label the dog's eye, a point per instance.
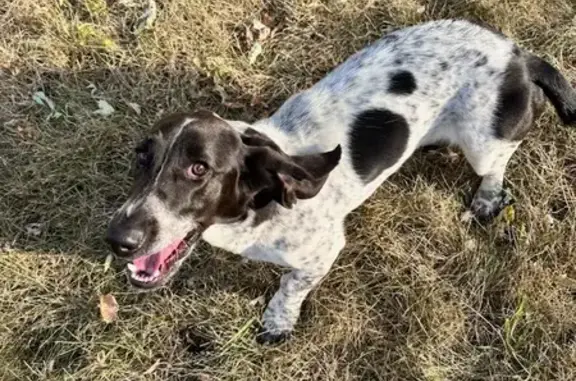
(196, 170)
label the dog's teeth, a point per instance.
(131, 267)
(156, 274)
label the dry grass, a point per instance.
(417, 295)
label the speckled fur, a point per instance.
(458, 68)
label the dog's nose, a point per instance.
(125, 242)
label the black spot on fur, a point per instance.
(390, 37)
(514, 113)
(378, 139)
(444, 66)
(402, 82)
(483, 60)
(398, 62)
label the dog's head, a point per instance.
(195, 170)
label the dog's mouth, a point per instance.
(153, 270)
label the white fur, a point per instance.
(455, 106)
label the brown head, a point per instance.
(195, 170)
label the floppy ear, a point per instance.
(272, 175)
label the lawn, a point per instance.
(416, 295)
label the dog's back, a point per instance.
(449, 81)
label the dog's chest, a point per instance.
(274, 241)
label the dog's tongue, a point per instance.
(152, 262)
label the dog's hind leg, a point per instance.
(490, 147)
(491, 197)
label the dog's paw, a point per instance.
(487, 206)
(270, 333)
(265, 337)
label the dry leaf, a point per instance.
(470, 244)
(148, 17)
(92, 88)
(267, 19)
(40, 98)
(509, 214)
(108, 262)
(467, 216)
(108, 308)
(135, 106)
(254, 53)
(104, 108)
(249, 35)
(34, 229)
(258, 101)
(257, 301)
(6, 247)
(263, 30)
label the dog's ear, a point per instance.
(272, 175)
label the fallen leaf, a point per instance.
(421, 9)
(249, 35)
(34, 229)
(256, 24)
(267, 19)
(470, 244)
(257, 101)
(108, 308)
(451, 155)
(257, 301)
(263, 30)
(467, 216)
(147, 19)
(109, 44)
(104, 108)
(254, 53)
(108, 262)
(92, 88)
(6, 247)
(40, 98)
(135, 106)
(509, 214)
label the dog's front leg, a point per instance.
(284, 309)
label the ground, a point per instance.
(416, 295)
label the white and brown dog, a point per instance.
(279, 190)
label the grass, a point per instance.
(416, 295)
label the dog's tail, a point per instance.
(557, 89)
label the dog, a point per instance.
(278, 190)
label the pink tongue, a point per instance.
(152, 262)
